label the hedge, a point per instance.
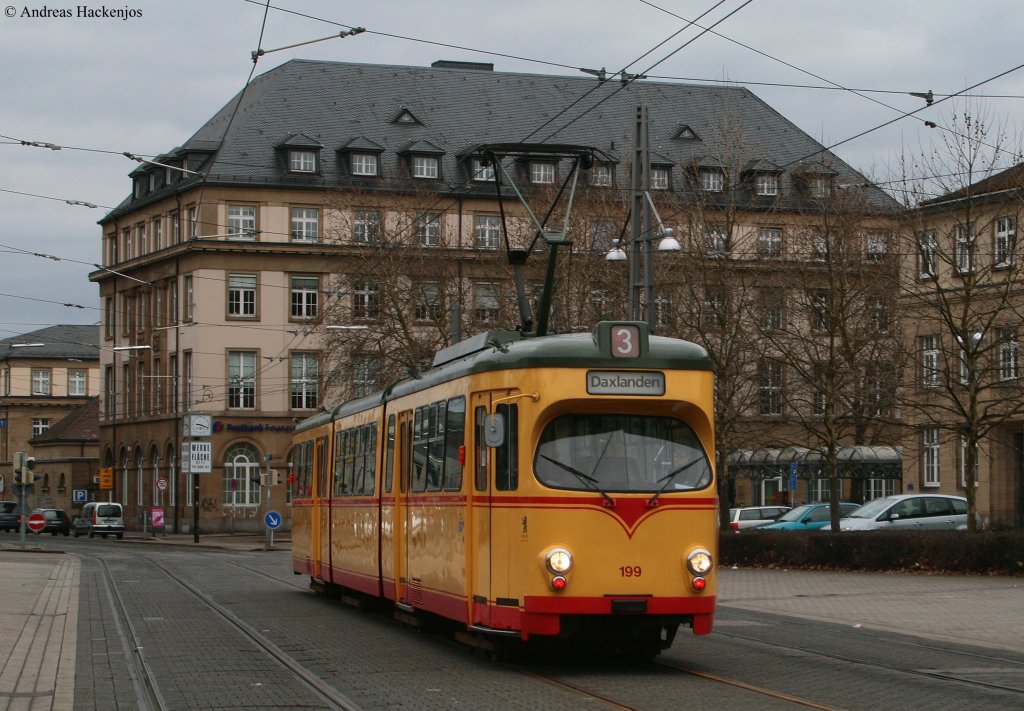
(995, 552)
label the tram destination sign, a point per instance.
(625, 382)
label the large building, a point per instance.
(46, 377)
(333, 225)
(964, 304)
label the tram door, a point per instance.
(321, 511)
(400, 513)
(479, 544)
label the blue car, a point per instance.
(807, 517)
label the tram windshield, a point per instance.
(621, 453)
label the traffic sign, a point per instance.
(272, 519)
(36, 522)
(78, 496)
(161, 484)
(107, 478)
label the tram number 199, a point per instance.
(630, 571)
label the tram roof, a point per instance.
(510, 350)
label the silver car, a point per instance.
(909, 512)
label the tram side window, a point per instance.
(435, 451)
(506, 462)
(480, 450)
(389, 461)
(341, 476)
(454, 453)
(304, 469)
(419, 449)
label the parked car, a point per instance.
(10, 519)
(909, 512)
(99, 517)
(808, 517)
(57, 521)
(751, 516)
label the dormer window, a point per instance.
(542, 172)
(364, 164)
(819, 186)
(427, 167)
(601, 175)
(766, 184)
(712, 180)
(302, 161)
(480, 172)
(661, 178)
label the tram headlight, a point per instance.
(558, 561)
(699, 561)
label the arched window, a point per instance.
(62, 483)
(140, 477)
(154, 459)
(124, 476)
(46, 483)
(241, 463)
(172, 476)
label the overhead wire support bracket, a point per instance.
(256, 54)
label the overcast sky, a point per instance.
(145, 83)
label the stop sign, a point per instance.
(36, 521)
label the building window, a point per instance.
(242, 380)
(879, 313)
(302, 161)
(41, 382)
(485, 302)
(1006, 241)
(877, 247)
(175, 228)
(364, 164)
(188, 311)
(241, 466)
(241, 295)
(771, 309)
(930, 361)
(108, 317)
(717, 241)
(964, 452)
(304, 380)
(366, 227)
(771, 387)
(770, 243)
(158, 233)
(821, 310)
(428, 230)
(78, 383)
(366, 301)
(482, 173)
(1009, 355)
(601, 175)
(305, 294)
(927, 253)
(712, 180)
(425, 167)
(486, 231)
(542, 172)
(110, 390)
(305, 224)
(242, 222)
(820, 247)
(661, 178)
(766, 184)
(40, 425)
(428, 305)
(600, 304)
(877, 488)
(819, 186)
(963, 239)
(365, 375)
(930, 456)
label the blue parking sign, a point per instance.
(78, 496)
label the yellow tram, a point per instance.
(534, 487)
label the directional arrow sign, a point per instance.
(272, 519)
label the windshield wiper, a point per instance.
(653, 501)
(586, 479)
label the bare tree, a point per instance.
(962, 291)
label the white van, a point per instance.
(100, 517)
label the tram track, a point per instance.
(918, 672)
(145, 681)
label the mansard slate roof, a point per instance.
(81, 342)
(343, 105)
